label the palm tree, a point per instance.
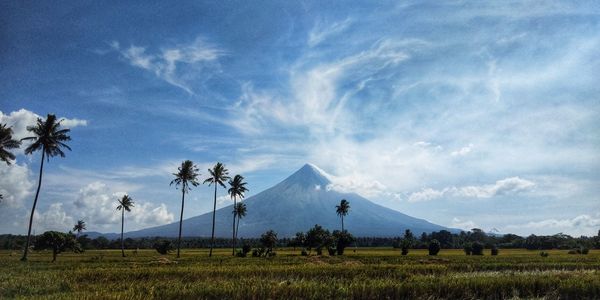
(49, 138)
(125, 204)
(218, 176)
(237, 188)
(79, 227)
(342, 210)
(187, 175)
(7, 142)
(240, 212)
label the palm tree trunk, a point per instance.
(233, 229)
(180, 220)
(122, 226)
(237, 227)
(37, 193)
(342, 223)
(212, 239)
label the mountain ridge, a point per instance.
(296, 204)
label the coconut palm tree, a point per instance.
(50, 139)
(125, 204)
(7, 142)
(237, 188)
(79, 227)
(187, 175)
(218, 176)
(342, 210)
(240, 212)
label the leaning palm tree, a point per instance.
(125, 204)
(240, 212)
(342, 210)
(237, 188)
(79, 227)
(187, 175)
(218, 176)
(48, 137)
(7, 142)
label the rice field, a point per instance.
(364, 273)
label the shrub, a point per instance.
(258, 252)
(404, 250)
(544, 254)
(304, 252)
(467, 248)
(494, 250)
(477, 248)
(573, 251)
(584, 250)
(58, 242)
(163, 247)
(246, 249)
(331, 251)
(240, 254)
(434, 247)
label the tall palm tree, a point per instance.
(237, 188)
(79, 227)
(6, 143)
(187, 175)
(218, 176)
(240, 212)
(125, 204)
(342, 210)
(48, 137)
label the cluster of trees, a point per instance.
(50, 139)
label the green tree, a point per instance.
(125, 204)
(79, 227)
(187, 175)
(342, 239)
(317, 237)
(434, 247)
(58, 242)
(239, 211)
(268, 240)
(237, 188)
(218, 176)
(50, 139)
(6, 143)
(342, 210)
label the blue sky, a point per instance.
(467, 114)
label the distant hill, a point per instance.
(296, 204)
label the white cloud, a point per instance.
(462, 151)
(465, 225)
(579, 225)
(96, 204)
(507, 186)
(322, 31)
(426, 195)
(54, 218)
(15, 185)
(512, 185)
(20, 119)
(167, 63)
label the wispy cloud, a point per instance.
(167, 63)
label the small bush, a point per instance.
(584, 250)
(163, 247)
(246, 249)
(467, 249)
(404, 250)
(544, 254)
(304, 252)
(240, 254)
(477, 248)
(494, 250)
(574, 251)
(434, 247)
(331, 251)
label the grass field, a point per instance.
(367, 273)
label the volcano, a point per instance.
(296, 204)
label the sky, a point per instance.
(465, 113)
